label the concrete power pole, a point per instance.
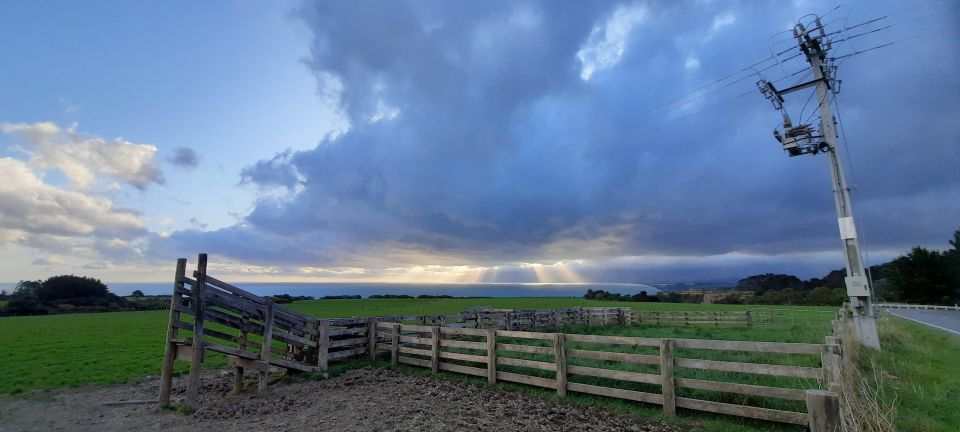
(801, 139)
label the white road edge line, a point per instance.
(925, 323)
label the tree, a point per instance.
(760, 284)
(70, 286)
(922, 276)
(137, 293)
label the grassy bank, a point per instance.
(917, 374)
(46, 352)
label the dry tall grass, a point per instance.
(865, 407)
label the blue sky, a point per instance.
(459, 141)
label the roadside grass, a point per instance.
(49, 352)
(917, 373)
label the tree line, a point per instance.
(920, 276)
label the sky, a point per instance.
(442, 141)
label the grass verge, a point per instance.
(912, 384)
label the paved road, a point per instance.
(943, 320)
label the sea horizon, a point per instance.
(366, 289)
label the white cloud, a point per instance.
(83, 158)
(47, 261)
(39, 215)
(720, 22)
(723, 20)
(606, 43)
(692, 63)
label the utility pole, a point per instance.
(801, 139)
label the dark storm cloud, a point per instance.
(473, 135)
(184, 157)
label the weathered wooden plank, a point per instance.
(323, 337)
(182, 325)
(747, 389)
(232, 303)
(744, 411)
(170, 348)
(414, 340)
(463, 357)
(296, 314)
(184, 352)
(526, 379)
(525, 348)
(346, 322)
(447, 343)
(415, 328)
(291, 338)
(463, 369)
(416, 351)
(247, 363)
(824, 411)
(614, 356)
(221, 335)
(347, 331)
(616, 393)
(616, 340)
(667, 380)
(263, 379)
(435, 349)
(348, 342)
(414, 361)
(463, 331)
(229, 350)
(614, 374)
(191, 401)
(232, 289)
(491, 356)
(233, 321)
(527, 363)
(753, 368)
(749, 346)
(560, 359)
(294, 365)
(524, 335)
(336, 355)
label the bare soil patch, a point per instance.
(366, 399)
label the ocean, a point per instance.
(413, 289)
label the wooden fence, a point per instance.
(207, 314)
(493, 354)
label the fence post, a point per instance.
(435, 349)
(170, 352)
(823, 408)
(560, 357)
(196, 356)
(266, 346)
(395, 345)
(492, 356)
(372, 338)
(749, 319)
(666, 377)
(323, 343)
(831, 359)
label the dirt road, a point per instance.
(367, 399)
